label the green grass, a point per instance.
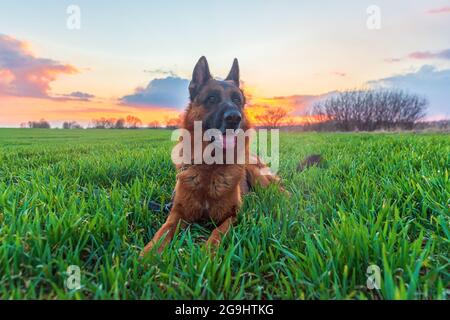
(79, 198)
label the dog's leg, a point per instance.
(220, 231)
(167, 232)
(259, 174)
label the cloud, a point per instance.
(439, 10)
(428, 81)
(444, 54)
(339, 73)
(25, 75)
(423, 55)
(170, 92)
(90, 110)
(78, 95)
(299, 104)
(390, 60)
(296, 105)
(159, 71)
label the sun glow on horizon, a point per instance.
(109, 68)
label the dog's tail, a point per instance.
(309, 161)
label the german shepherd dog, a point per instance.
(212, 191)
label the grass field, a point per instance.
(79, 197)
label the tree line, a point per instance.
(132, 122)
(41, 124)
(129, 122)
(362, 110)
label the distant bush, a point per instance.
(103, 123)
(369, 110)
(174, 123)
(71, 125)
(131, 122)
(439, 125)
(120, 124)
(41, 124)
(154, 125)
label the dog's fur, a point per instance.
(211, 192)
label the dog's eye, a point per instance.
(237, 101)
(211, 100)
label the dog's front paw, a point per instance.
(149, 247)
(213, 241)
(211, 246)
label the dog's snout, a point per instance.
(233, 116)
(232, 119)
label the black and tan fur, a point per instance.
(211, 192)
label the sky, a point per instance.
(136, 57)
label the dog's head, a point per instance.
(219, 104)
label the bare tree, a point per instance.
(130, 122)
(272, 117)
(103, 123)
(370, 110)
(71, 125)
(174, 123)
(42, 124)
(133, 122)
(154, 125)
(120, 124)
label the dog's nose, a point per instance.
(232, 118)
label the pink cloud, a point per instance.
(444, 54)
(439, 10)
(422, 55)
(339, 73)
(23, 74)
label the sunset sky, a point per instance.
(136, 57)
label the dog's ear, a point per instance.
(234, 72)
(200, 76)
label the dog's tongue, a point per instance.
(229, 141)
